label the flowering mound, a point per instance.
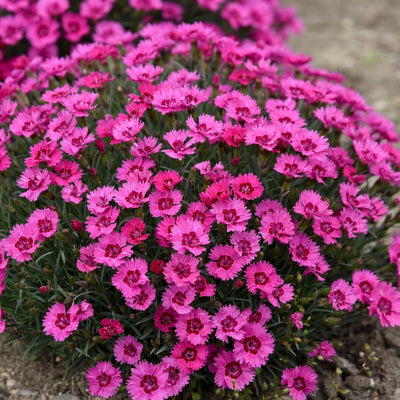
(47, 28)
(193, 208)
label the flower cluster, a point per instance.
(191, 204)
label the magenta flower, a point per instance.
(182, 269)
(182, 144)
(60, 322)
(364, 282)
(142, 300)
(112, 250)
(75, 26)
(261, 316)
(231, 373)
(297, 320)
(110, 328)
(232, 213)
(189, 357)
(311, 205)
(104, 379)
(129, 276)
(66, 172)
(385, 304)
(264, 134)
(147, 382)
(98, 200)
(144, 73)
(225, 262)
(327, 227)
(342, 296)
(126, 130)
(127, 350)
(177, 380)
(103, 224)
(73, 192)
(303, 250)
(179, 298)
(194, 327)
(277, 225)
(132, 194)
(255, 347)
(166, 203)
(36, 181)
(291, 165)
(309, 143)
(325, 350)
(86, 262)
(229, 322)
(80, 103)
(246, 244)
(44, 151)
(247, 187)
(189, 235)
(45, 221)
(21, 242)
(300, 381)
(165, 319)
(353, 222)
(261, 276)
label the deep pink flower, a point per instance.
(291, 165)
(277, 225)
(144, 73)
(194, 327)
(342, 296)
(165, 181)
(127, 350)
(98, 200)
(111, 327)
(231, 373)
(364, 282)
(225, 262)
(132, 194)
(80, 103)
(327, 227)
(165, 318)
(77, 141)
(142, 300)
(104, 379)
(87, 262)
(44, 152)
(262, 315)
(75, 26)
(301, 381)
(189, 357)
(133, 231)
(303, 250)
(126, 130)
(311, 205)
(207, 127)
(129, 276)
(145, 147)
(297, 320)
(36, 181)
(60, 322)
(66, 172)
(21, 242)
(112, 249)
(385, 304)
(247, 187)
(182, 269)
(261, 276)
(255, 347)
(102, 224)
(353, 222)
(324, 350)
(42, 33)
(232, 213)
(189, 235)
(177, 380)
(165, 203)
(246, 244)
(229, 322)
(309, 143)
(179, 298)
(147, 382)
(264, 134)
(45, 221)
(182, 144)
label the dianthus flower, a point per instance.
(103, 224)
(291, 165)
(303, 250)
(324, 350)
(127, 350)
(297, 320)
(264, 134)
(309, 143)
(342, 295)
(261, 276)
(66, 172)
(385, 304)
(311, 205)
(80, 103)
(132, 194)
(225, 262)
(182, 269)
(22, 242)
(231, 373)
(142, 300)
(277, 225)
(165, 318)
(327, 227)
(111, 327)
(364, 282)
(300, 381)
(104, 379)
(229, 322)
(181, 144)
(45, 221)
(255, 347)
(207, 127)
(44, 152)
(246, 244)
(162, 204)
(194, 327)
(60, 322)
(247, 187)
(353, 222)
(189, 357)
(133, 231)
(232, 213)
(36, 181)
(178, 298)
(177, 380)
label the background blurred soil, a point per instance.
(360, 39)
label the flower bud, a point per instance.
(157, 266)
(101, 146)
(43, 289)
(76, 225)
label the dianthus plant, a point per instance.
(193, 208)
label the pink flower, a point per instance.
(66, 172)
(111, 327)
(127, 350)
(189, 235)
(231, 373)
(207, 127)
(229, 322)
(226, 262)
(60, 322)
(277, 225)
(290, 165)
(165, 319)
(85, 311)
(42, 32)
(165, 181)
(261, 316)
(303, 250)
(45, 221)
(98, 200)
(261, 276)
(165, 203)
(247, 187)
(177, 380)
(181, 144)
(144, 73)
(385, 304)
(182, 269)
(325, 350)
(147, 382)
(353, 222)
(87, 262)
(75, 26)
(341, 296)
(309, 143)
(189, 357)
(126, 130)
(232, 213)
(112, 249)
(142, 300)
(297, 320)
(104, 379)
(36, 181)
(311, 205)
(102, 224)
(264, 134)
(80, 103)
(21, 242)
(133, 231)
(194, 327)
(178, 298)
(301, 381)
(246, 244)
(132, 194)
(364, 282)
(76, 141)
(44, 151)
(145, 147)
(255, 347)
(327, 227)
(129, 276)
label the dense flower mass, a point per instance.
(181, 205)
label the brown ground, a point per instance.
(361, 39)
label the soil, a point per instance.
(360, 39)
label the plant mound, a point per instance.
(192, 208)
